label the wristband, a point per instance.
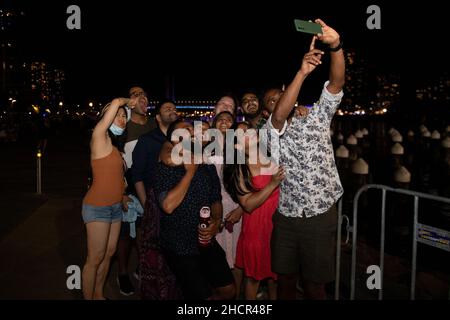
(339, 47)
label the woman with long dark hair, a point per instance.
(102, 205)
(232, 211)
(252, 185)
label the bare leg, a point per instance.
(286, 286)
(224, 293)
(272, 286)
(238, 276)
(103, 269)
(251, 288)
(97, 240)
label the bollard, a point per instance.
(38, 173)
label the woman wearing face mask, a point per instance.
(102, 205)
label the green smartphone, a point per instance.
(308, 27)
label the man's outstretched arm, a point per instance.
(337, 64)
(287, 101)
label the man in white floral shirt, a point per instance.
(304, 230)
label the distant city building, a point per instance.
(437, 91)
(25, 82)
(11, 67)
(356, 81)
(47, 83)
(387, 91)
(367, 92)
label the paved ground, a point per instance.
(40, 249)
(40, 236)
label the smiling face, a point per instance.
(250, 105)
(141, 106)
(223, 122)
(120, 119)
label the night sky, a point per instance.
(217, 46)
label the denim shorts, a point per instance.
(109, 214)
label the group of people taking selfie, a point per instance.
(268, 219)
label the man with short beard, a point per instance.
(252, 110)
(146, 153)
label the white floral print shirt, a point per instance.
(312, 183)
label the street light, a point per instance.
(60, 104)
(91, 104)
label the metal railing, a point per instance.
(416, 236)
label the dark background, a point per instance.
(216, 46)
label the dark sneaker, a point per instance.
(125, 286)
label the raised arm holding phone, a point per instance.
(304, 229)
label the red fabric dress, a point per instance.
(253, 248)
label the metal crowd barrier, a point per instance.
(422, 233)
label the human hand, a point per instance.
(329, 35)
(125, 200)
(278, 176)
(132, 102)
(312, 58)
(301, 111)
(234, 216)
(209, 232)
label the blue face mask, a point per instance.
(116, 130)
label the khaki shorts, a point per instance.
(307, 245)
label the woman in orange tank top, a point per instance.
(102, 205)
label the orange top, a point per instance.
(108, 184)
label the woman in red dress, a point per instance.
(254, 185)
